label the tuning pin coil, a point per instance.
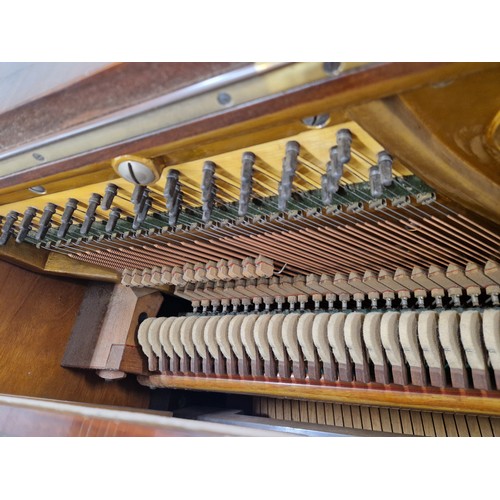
(109, 195)
(385, 166)
(208, 190)
(94, 201)
(67, 217)
(375, 182)
(29, 215)
(45, 221)
(7, 228)
(248, 161)
(113, 218)
(344, 140)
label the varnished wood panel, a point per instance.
(38, 313)
(428, 398)
(28, 417)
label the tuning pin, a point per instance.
(137, 195)
(292, 151)
(113, 218)
(28, 217)
(173, 214)
(375, 182)
(67, 217)
(344, 140)
(10, 220)
(385, 166)
(142, 212)
(289, 168)
(208, 190)
(171, 188)
(45, 219)
(109, 195)
(335, 169)
(248, 161)
(94, 201)
(326, 194)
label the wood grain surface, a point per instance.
(37, 314)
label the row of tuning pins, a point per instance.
(380, 175)
(140, 198)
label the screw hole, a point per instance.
(317, 121)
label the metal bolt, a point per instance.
(224, 99)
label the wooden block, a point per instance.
(385, 418)
(450, 425)
(461, 423)
(485, 426)
(495, 425)
(295, 411)
(427, 423)
(346, 415)
(406, 422)
(416, 420)
(280, 413)
(287, 409)
(375, 417)
(473, 426)
(304, 411)
(439, 426)
(338, 416)
(396, 424)
(320, 412)
(116, 321)
(329, 417)
(366, 418)
(312, 416)
(356, 417)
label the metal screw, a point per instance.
(317, 121)
(224, 99)
(331, 67)
(37, 189)
(38, 157)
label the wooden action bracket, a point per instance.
(104, 333)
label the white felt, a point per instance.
(372, 337)
(305, 335)
(209, 336)
(165, 338)
(408, 338)
(448, 337)
(142, 337)
(336, 336)
(353, 337)
(470, 334)
(320, 336)
(222, 335)
(154, 335)
(275, 336)
(428, 337)
(198, 332)
(248, 335)
(289, 332)
(174, 334)
(389, 335)
(234, 334)
(187, 335)
(261, 336)
(491, 335)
